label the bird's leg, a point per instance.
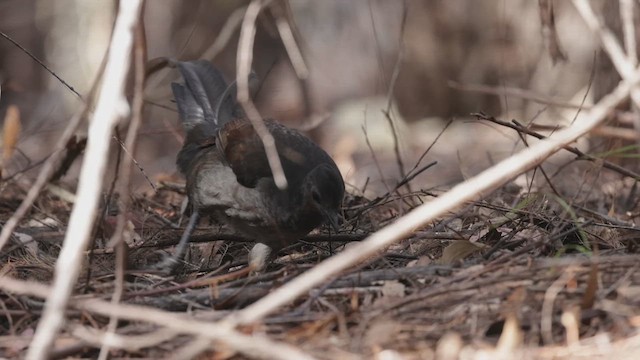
(170, 262)
(186, 235)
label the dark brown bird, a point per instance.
(228, 174)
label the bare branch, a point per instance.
(254, 346)
(110, 108)
(610, 44)
(124, 180)
(243, 63)
(627, 9)
(285, 24)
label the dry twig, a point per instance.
(610, 44)
(252, 345)
(285, 25)
(124, 180)
(243, 63)
(110, 108)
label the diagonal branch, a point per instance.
(610, 44)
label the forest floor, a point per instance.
(527, 272)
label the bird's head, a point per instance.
(323, 191)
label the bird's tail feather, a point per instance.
(205, 100)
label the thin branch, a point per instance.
(129, 153)
(124, 182)
(391, 87)
(254, 346)
(193, 348)
(379, 58)
(225, 34)
(41, 64)
(581, 155)
(285, 25)
(110, 108)
(610, 44)
(546, 316)
(627, 10)
(243, 63)
(373, 155)
(108, 339)
(549, 31)
(627, 13)
(433, 143)
(517, 92)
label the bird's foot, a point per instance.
(259, 257)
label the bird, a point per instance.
(228, 175)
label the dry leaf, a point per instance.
(28, 242)
(382, 332)
(393, 288)
(458, 250)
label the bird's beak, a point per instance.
(333, 218)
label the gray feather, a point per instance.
(205, 95)
(189, 110)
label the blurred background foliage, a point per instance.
(359, 52)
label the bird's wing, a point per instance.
(245, 154)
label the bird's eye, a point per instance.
(315, 196)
